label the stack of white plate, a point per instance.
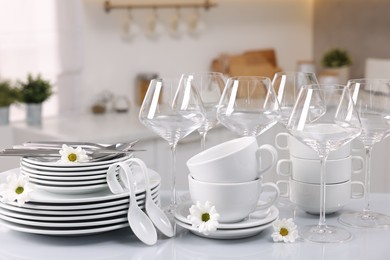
(255, 223)
(76, 178)
(74, 214)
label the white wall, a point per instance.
(232, 27)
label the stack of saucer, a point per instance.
(65, 178)
(256, 222)
(79, 213)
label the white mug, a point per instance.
(306, 196)
(237, 160)
(304, 170)
(301, 150)
(233, 201)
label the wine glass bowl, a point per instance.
(209, 86)
(172, 109)
(324, 118)
(248, 105)
(371, 97)
(286, 86)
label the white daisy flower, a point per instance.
(71, 155)
(16, 188)
(285, 230)
(204, 217)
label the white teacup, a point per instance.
(233, 201)
(306, 196)
(284, 141)
(304, 170)
(237, 160)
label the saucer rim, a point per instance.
(273, 214)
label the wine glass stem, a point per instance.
(203, 140)
(322, 221)
(173, 175)
(367, 178)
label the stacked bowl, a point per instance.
(303, 172)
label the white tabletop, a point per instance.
(121, 244)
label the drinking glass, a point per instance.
(210, 86)
(324, 118)
(248, 105)
(372, 101)
(286, 86)
(172, 109)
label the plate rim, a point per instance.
(70, 232)
(74, 165)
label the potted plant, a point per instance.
(337, 62)
(8, 95)
(34, 92)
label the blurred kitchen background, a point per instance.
(94, 57)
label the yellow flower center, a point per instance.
(19, 190)
(205, 217)
(72, 157)
(283, 231)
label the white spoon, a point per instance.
(158, 217)
(139, 222)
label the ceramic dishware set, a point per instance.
(303, 172)
(82, 198)
(229, 175)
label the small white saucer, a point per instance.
(255, 219)
(227, 233)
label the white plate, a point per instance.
(73, 217)
(62, 170)
(70, 224)
(62, 177)
(44, 162)
(42, 197)
(63, 232)
(63, 218)
(72, 190)
(71, 211)
(67, 183)
(253, 220)
(227, 233)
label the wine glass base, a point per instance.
(328, 234)
(365, 220)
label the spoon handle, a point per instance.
(142, 226)
(156, 215)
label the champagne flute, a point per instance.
(372, 100)
(172, 109)
(210, 86)
(324, 118)
(248, 105)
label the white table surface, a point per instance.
(122, 244)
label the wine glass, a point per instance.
(372, 101)
(172, 109)
(210, 86)
(324, 118)
(248, 105)
(286, 86)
